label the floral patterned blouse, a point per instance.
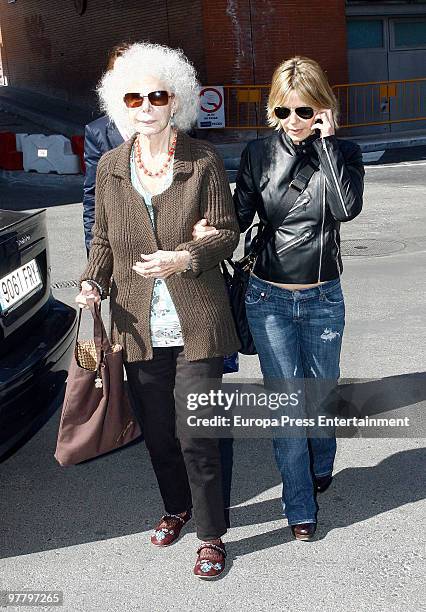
(164, 321)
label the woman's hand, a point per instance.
(88, 292)
(202, 229)
(326, 127)
(162, 264)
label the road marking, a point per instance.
(370, 156)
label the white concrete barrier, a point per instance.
(46, 154)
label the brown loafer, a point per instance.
(322, 482)
(304, 531)
(168, 529)
(211, 560)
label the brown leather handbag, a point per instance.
(96, 414)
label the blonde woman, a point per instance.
(294, 302)
(169, 305)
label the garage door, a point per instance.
(382, 49)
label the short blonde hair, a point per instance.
(140, 59)
(306, 78)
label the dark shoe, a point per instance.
(304, 531)
(168, 529)
(323, 482)
(211, 560)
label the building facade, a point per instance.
(60, 48)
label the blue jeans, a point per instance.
(298, 334)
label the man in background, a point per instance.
(100, 136)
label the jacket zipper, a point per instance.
(295, 242)
(324, 146)
(338, 251)
(295, 206)
(322, 230)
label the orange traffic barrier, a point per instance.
(77, 144)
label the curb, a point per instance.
(378, 145)
(232, 161)
(230, 152)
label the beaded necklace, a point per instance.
(163, 169)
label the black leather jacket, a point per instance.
(306, 247)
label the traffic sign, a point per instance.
(211, 113)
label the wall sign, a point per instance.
(211, 113)
(80, 6)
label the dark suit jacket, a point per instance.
(100, 136)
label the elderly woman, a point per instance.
(294, 302)
(169, 305)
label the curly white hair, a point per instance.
(143, 59)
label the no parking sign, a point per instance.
(211, 113)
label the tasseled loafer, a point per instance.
(211, 560)
(168, 529)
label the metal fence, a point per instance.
(381, 102)
(361, 104)
(245, 107)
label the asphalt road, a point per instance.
(85, 530)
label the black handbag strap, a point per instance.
(265, 232)
(295, 188)
(249, 239)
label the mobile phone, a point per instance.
(317, 131)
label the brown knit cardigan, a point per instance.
(123, 230)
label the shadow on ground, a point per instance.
(47, 507)
(22, 190)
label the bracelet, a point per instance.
(95, 285)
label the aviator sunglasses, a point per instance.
(156, 98)
(304, 112)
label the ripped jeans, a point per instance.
(298, 334)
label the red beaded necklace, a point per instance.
(166, 164)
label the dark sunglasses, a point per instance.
(156, 98)
(304, 112)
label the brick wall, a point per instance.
(313, 28)
(228, 42)
(247, 39)
(185, 18)
(53, 50)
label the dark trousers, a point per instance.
(188, 470)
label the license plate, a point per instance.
(19, 285)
